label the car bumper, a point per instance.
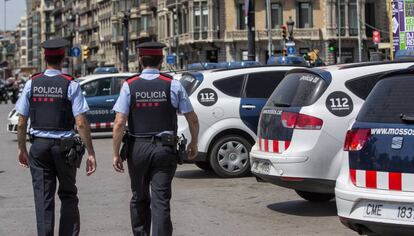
(352, 204)
(295, 172)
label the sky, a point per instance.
(14, 10)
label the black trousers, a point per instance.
(151, 168)
(48, 164)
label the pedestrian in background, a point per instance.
(149, 102)
(54, 103)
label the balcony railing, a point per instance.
(241, 35)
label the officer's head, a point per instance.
(150, 55)
(55, 51)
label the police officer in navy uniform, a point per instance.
(150, 102)
(54, 103)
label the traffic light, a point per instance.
(85, 52)
(284, 32)
(332, 46)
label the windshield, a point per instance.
(389, 101)
(297, 90)
(191, 82)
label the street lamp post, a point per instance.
(269, 29)
(125, 48)
(71, 19)
(251, 36)
(290, 24)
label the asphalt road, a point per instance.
(202, 204)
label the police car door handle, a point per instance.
(248, 107)
(110, 100)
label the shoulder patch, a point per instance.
(68, 77)
(36, 75)
(133, 78)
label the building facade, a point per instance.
(142, 27)
(212, 30)
(21, 43)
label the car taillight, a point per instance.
(293, 120)
(356, 138)
(289, 119)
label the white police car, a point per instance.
(228, 104)
(101, 92)
(303, 125)
(375, 188)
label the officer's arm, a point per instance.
(22, 133)
(84, 130)
(192, 120)
(118, 131)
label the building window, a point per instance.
(244, 55)
(241, 17)
(200, 19)
(276, 14)
(304, 15)
(23, 52)
(146, 22)
(352, 16)
(370, 18)
(342, 18)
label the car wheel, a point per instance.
(315, 197)
(204, 165)
(229, 156)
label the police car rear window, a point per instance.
(190, 83)
(389, 99)
(298, 90)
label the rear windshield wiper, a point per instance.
(407, 118)
(278, 104)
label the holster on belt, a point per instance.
(73, 149)
(125, 147)
(181, 152)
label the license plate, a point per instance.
(391, 211)
(261, 167)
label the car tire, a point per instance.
(204, 165)
(229, 156)
(315, 197)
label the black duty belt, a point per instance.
(152, 139)
(47, 140)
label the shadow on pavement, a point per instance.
(104, 135)
(2, 171)
(305, 208)
(196, 174)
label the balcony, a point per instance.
(117, 39)
(105, 16)
(193, 37)
(303, 34)
(146, 33)
(94, 43)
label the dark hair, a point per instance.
(54, 60)
(151, 61)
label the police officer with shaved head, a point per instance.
(149, 102)
(54, 103)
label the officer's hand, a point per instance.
(192, 150)
(23, 158)
(117, 164)
(90, 165)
